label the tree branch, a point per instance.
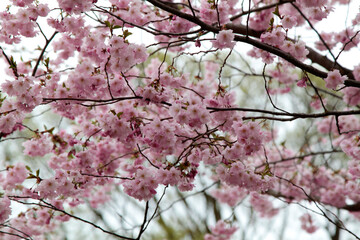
(313, 55)
(42, 53)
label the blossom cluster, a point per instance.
(224, 40)
(136, 120)
(220, 232)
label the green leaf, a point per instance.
(271, 22)
(31, 176)
(119, 114)
(126, 33)
(28, 168)
(108, 24)
(71, 154)
(13, 64)
(51, 130)
(276, 12)
(46, 61)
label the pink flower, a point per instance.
(356, 71)
(197, 43)
(274, 38)
(16, 175)
(288, 46)
(7, 123)
(143, 187)
(357, 19)
(329, 39)
(249, 135)
(37, 146)
(311, 3)
(169, 177)
(43, 10)
(5, 210)
(229, 194)
(224, 39)
(307, 223)
(22, 3)
(260, 21)
(289, 21)
(263, 205)
(352, 96)
(334, 79)
(47, 188)
(221, 231)
(316, 103)
(299, 51)
(354, 168)
(301, 83)
(210, 15)
(75, 6)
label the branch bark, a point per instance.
(314, 56)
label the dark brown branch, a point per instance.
(10, 63)
(244, 39)
(295, 115)
(313, 55)
(50, 206)
(352, 207)
(91, 100)
(156, 208)
(42, 53)
(299, 157)
(259, 9)
(337, 222)
(15, 235)
(105, 176)
(314, 29)
(28, 237)
(186, 16)
(142, 229)
(151, 163)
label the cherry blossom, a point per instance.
(133, 103)
(220, 232)
(334, 79)
(224, 39)
(307, 223)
